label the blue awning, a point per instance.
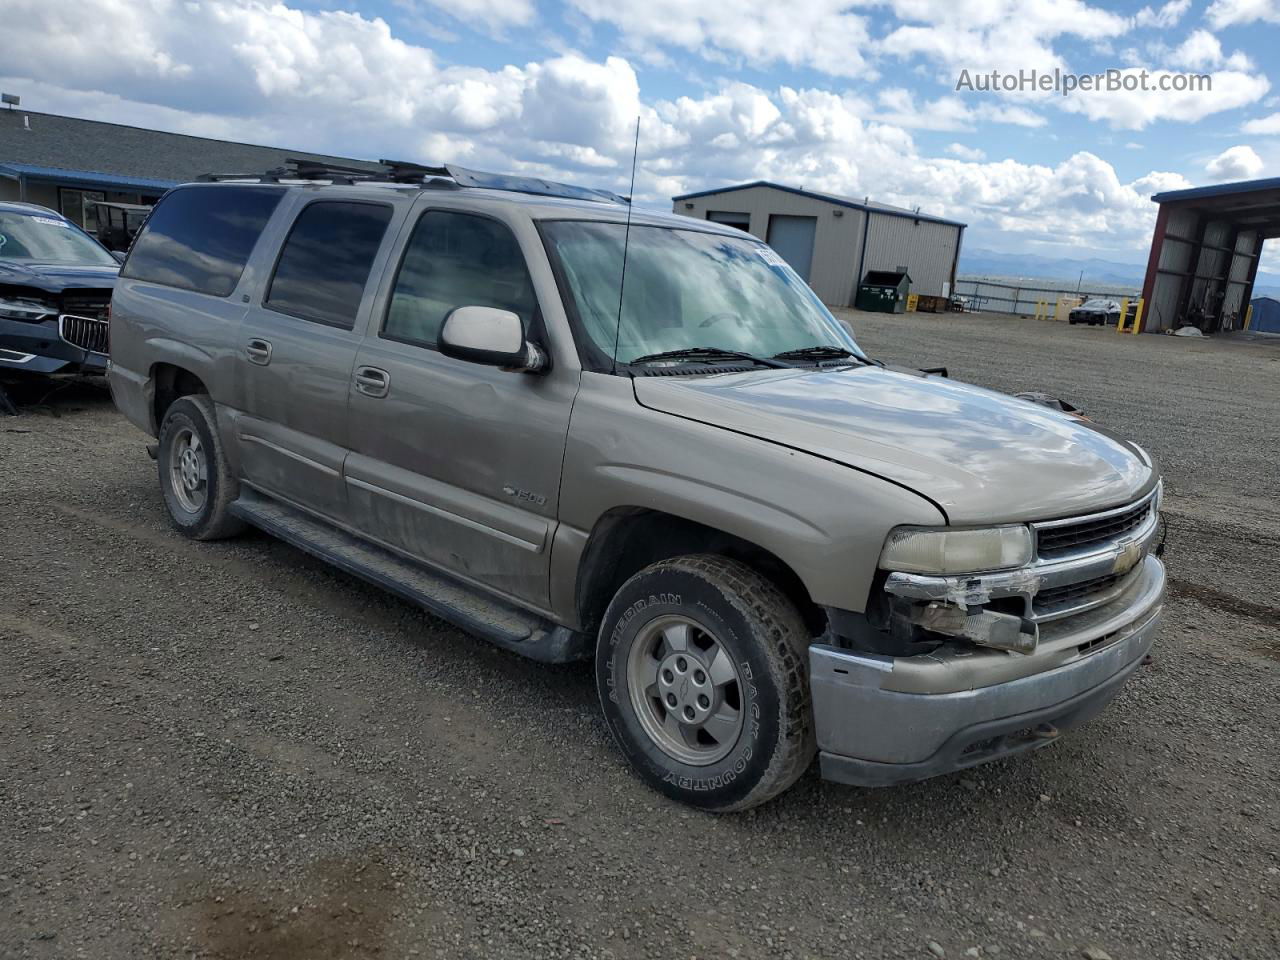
(89, 179)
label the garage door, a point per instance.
(792, 238)
(740, 220)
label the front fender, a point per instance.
(826, 521)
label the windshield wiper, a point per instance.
(710, 353)
(819, 352)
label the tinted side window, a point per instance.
(325, 263)
(456, 260)
(199, 238)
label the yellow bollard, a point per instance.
(1124, 315)
(1248, 316)
(1137, 317)
(913, 300)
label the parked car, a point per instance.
(55, 288)
(770, 544)
(1095, 312)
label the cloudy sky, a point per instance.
(855, 97)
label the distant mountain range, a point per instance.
(1066, 271)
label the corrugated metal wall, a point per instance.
(1162, 312)
(837, 239)
(1241, 269)
(927, 249)
(1216, 278)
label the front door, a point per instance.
(297, 348)
(457, 463)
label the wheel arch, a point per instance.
(169, 382)
(626, 539)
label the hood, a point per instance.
(980, 455)
(56, 277)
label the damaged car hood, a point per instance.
(54, 277)
(980, 455)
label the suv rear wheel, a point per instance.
(703, 676)
(194, 476)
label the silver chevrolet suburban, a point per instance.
(584, 431)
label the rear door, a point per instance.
(297, 347)
(457, 463)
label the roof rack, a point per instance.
(407, 172)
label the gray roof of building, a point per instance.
(69, 143)
(871, 205)
(1218, 190)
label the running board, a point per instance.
(460, 604)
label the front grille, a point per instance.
(1067, 538)
(92, 304)
(1056, 599)
(87, 333)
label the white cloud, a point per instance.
(341, 83)
(1266, 126)
(986, 35)
(949, 113)
(1164, 17)
(1199, 51)
(1235, 163)
(819, 34)
(1225, 13)
(972, 154)
(488, 14)
(1136, 109)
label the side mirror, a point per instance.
(490, 336)
(119, 255)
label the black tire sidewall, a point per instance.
(675, 591)
(184, 413)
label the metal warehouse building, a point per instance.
(833, 241)
(1205, 253)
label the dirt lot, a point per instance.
(228, 750)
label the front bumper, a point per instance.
(879, 721)
(39, 348)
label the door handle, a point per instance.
(372, 382)
(258, 351)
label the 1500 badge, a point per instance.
(527, 496)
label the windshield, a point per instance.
(1098, 304)
(687, 289)
(49, 239)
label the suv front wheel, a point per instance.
(703, 675)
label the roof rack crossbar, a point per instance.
(408, 172)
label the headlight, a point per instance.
(945, 551)
(28, 310)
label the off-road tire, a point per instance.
(767, 639)
(213, 521)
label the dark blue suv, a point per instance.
(55, 293)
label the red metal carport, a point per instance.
(1205, 252)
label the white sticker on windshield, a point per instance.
(52, 222)
(768, 255)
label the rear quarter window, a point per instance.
(200, 238)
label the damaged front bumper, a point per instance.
(41, 348)
(883, 720)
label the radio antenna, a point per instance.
(626, 242)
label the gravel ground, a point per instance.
(229, 750)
